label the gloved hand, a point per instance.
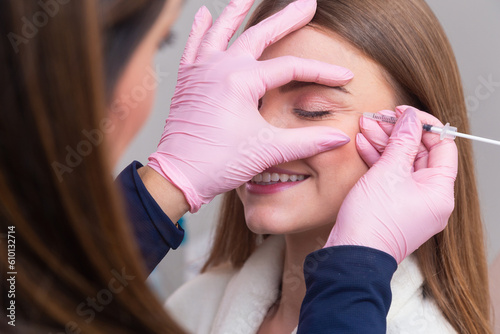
(400, 202)
(374, 137)
(215, 139)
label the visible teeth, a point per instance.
(275, 177)
(257, 178)
(266, 177)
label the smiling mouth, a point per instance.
(266, 179)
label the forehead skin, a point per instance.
(314, 43)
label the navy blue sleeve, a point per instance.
(154, 231)
(348, 290)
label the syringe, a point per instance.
(446, 131)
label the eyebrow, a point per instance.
(294, 85)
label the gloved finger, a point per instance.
(428, 138)
(225, 26)
(272, 29)
(367, 152)
(438, 185)
(202, 22)
(422, 154)
(387, 127)
(404, 142)
(421, 160)
(374, 133)
(301, 143)
(279, 71)
(443, 154)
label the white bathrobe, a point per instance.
(229, 301)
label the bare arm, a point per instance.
(170, 199)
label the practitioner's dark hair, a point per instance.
(78, 267)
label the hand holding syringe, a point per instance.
(446, 131)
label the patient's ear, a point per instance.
(495, 293)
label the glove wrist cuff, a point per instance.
(162, 167)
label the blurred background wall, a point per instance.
(473, 28)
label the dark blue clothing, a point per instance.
(348, 290)
(348, 287)
(155, 232)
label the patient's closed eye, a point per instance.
(313, 114)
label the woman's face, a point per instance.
(134, 94)
(292, 207)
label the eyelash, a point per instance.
(312, 114)
(305, 114)
(167, 41)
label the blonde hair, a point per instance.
(406, 39)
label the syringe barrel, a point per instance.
(446, 131)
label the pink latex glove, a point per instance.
(215, 139)
(374, 137)
(400, 202)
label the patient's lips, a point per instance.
(275, 179)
